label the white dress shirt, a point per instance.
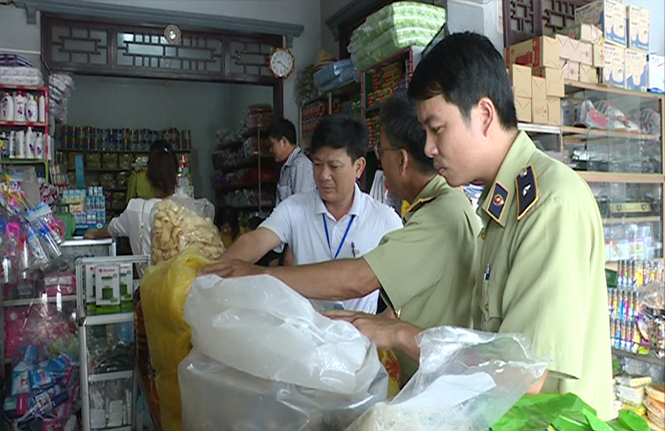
(136, 224)
(296, 176)
(299, 222)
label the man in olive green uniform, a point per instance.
(440, 227)
(541, 268)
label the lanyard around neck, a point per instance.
(346, 232)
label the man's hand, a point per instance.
(228, 268)
(382, 329)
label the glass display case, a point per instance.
(613, 138)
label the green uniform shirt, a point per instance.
(426, 268)
(542, 271)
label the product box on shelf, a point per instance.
(608, 15)
(541, 51)
(656, 73)
(554, 78)
(571, 70)
(554, 111)
(588, 74)
(598, 54)
(539, 111)
(520, 77)
(636, 70)
(638, 20)
(523, 109)
(90, 294)
(127, 286)
(107, 289)
(575, 50)
(538, 88)
(583, 32)
(615, 66)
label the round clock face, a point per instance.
(281, 62)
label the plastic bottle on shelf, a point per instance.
(7, 108)
(31, 109)
(42, 109)
(19, 107)
(29, 144)
(19, 144)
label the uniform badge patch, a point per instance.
(498, 201)
(527, 191)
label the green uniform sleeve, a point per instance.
(549, 288)
(412, 259)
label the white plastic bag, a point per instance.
(466, 380)
(261, 326)
(264, 359)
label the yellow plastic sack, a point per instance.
(164, 290)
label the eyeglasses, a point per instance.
(379, 151)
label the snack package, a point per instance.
(180, 222)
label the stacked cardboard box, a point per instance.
(537, 78)
(624, 31)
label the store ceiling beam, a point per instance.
(184, 20)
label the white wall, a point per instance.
(17, 34)
(328, 9)
(135, 103)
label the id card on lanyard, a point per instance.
(346, 232)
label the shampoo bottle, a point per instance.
(42, 108)
(19, 107)
(31, 109)
(7, 108)
(29, 144)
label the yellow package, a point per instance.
(164, 290)
(391, 364)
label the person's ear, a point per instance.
(485, 114)
(359, 166)
(404, 159)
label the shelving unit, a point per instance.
(43, 127)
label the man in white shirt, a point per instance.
(337, 221)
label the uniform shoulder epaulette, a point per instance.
(527, 191)
(421, 203)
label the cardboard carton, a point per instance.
(636, 70)
(520, 77)
(539, 111)
(583, 53)
(588, 74)
(571, 70)
(615, 65)
(538, 52)
(538, 88)
(566, 47)
(608, 15)
(638, 20)
(554, 79)
(583, 32)
(554, 111)
(523, 109)
(656, 73)
(598, 54)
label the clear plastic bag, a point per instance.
(180, 222)
(264, 359)
(466, 381)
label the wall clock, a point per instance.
(281, 62)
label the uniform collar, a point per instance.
(294, 154)
(431, 191)
(320, 207)
(496, 199)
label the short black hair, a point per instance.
(162, 169)
(464, 68)
(341, 131)
(399, 121)
(283, 128)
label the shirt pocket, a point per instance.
(490, 302)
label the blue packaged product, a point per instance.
(29, 355)
(41, 377)
(20, 381)
(60, 364)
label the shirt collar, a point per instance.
(502, 190)
(294, 154)
(355, 206)
(432, 190)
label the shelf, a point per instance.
(22, 87)
(644, 358)
(87, 242)
(111, 376)
(29, 301)
(374, 108)
(539, 128)
(73, 150)
(21, 124)
(22, 161)
(616, 177)
(623, 220)
(109, 319)
(613, 90)
(598, 133)
(347, 89)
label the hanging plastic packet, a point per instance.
(44, 215)
(47, 237)
(39, 256)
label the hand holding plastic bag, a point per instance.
(466, 381)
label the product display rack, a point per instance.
(87, 325)
(40, 126)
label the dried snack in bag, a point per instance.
(180, 222)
